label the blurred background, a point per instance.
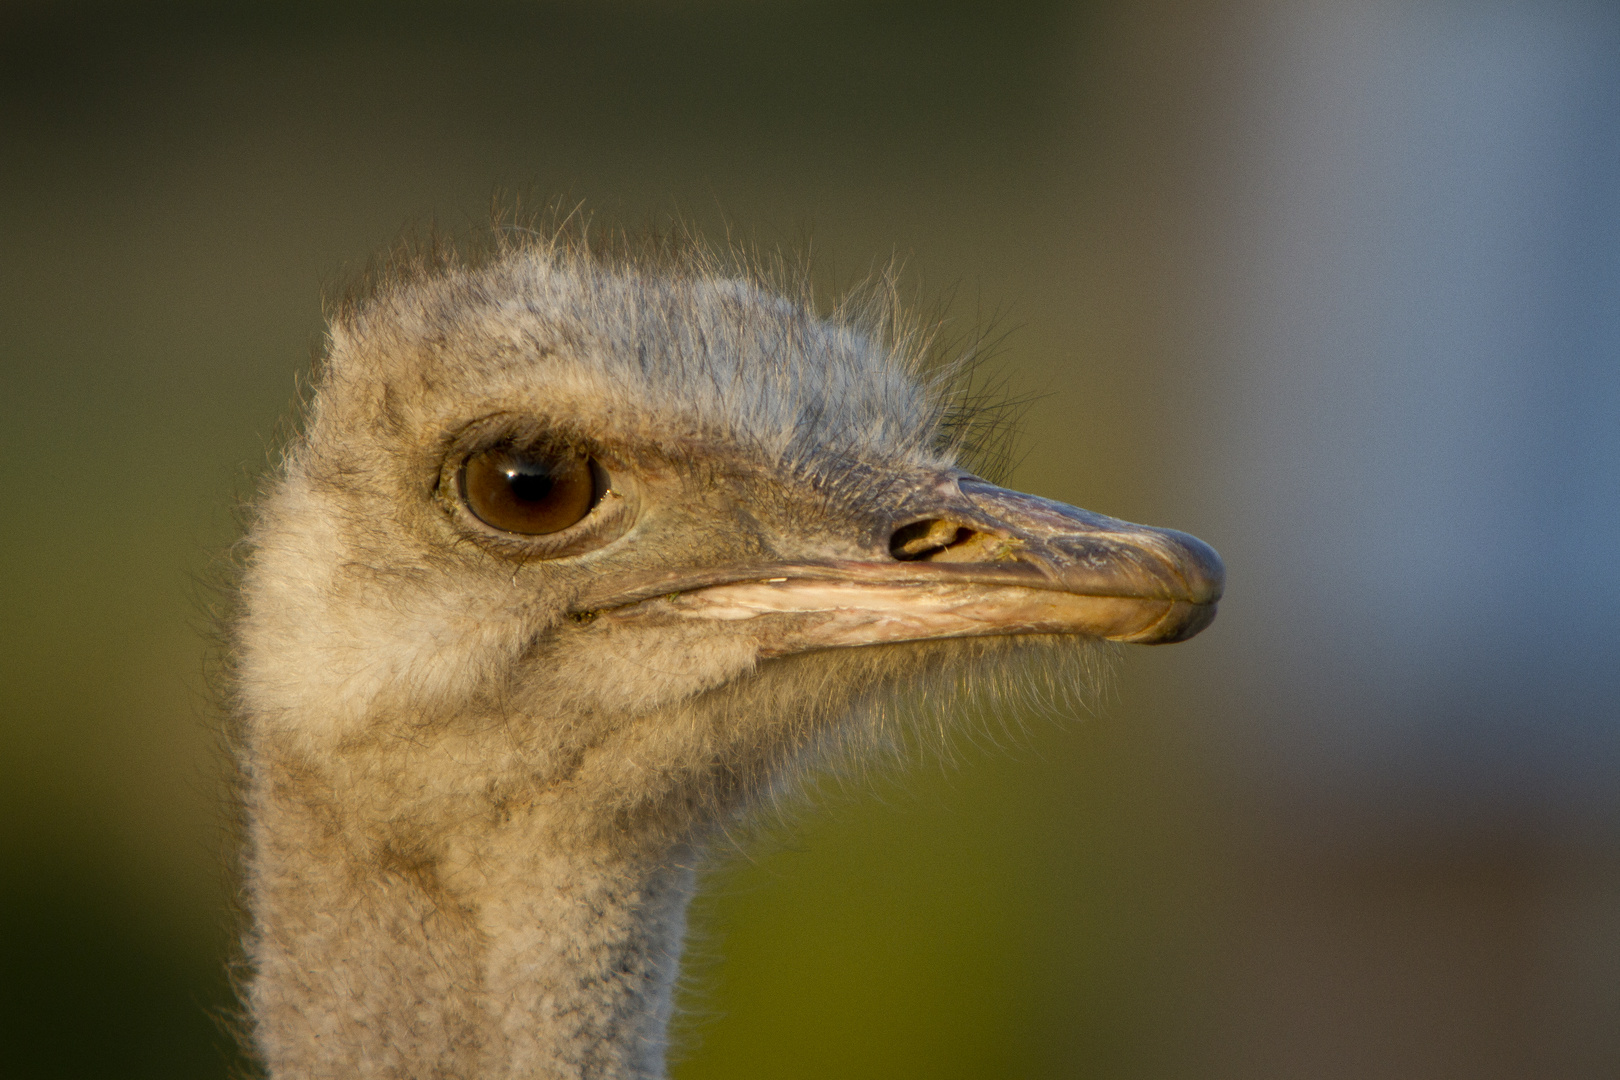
(1334, 285)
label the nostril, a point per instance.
(926, 539)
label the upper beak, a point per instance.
(963, 558)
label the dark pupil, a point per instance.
(529, 481)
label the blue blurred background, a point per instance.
(1334, 285)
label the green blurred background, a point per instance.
(1332, 285)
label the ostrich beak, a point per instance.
(963, 558)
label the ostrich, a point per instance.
(577, 557)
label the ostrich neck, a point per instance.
(458, 937)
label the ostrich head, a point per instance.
(575, 558)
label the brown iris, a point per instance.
(528, 491)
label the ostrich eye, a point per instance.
(532, 492)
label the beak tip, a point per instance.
(1201, 566)
(1182, 621)
(1200, 578)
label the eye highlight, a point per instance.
(529, 491)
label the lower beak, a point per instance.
(973, 560)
